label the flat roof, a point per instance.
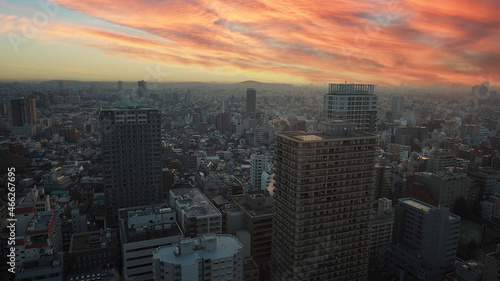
(319, 136)
(416, 204)
(197, 203)
(226, 246)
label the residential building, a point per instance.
(441, 159)
(143, 229)
(425, 241)
(131, 157)
(209, 257)
(251, 101)
(446, 187)
(382, 227)
(22, 112)
(352, 102)
(142, 89)
(322, 209)
(491, 269)
(195, 213)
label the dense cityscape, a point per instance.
(250, 181)
(277, 140)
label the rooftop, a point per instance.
(147, 222)
(416, 204)
(91, 240)
(319, 136)
(193, 202)
(226, 245)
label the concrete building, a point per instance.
(131, 157)
(352, 102)
(48, 268)
(257, 208)
(22, 112)
(93, 250)
(441, 159)
(209, 257)
(322, 209)
(195, 213)
(38, 237)
(142, 89)
(251, 101)
(446, 187)
(425, 242)
(491, 269)
(78, 221)
(382, 227)
(258, 164)
(397, 106)
(142, 230)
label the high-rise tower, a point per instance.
(131, 157)
(142, 89)
(251, 100)
(322, 211)
(23, 111)
(352, 102)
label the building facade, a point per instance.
(352, 102)
(131, 158)
(322, 210)
(209, 257)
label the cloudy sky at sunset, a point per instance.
(290, 41)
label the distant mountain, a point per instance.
(252, 83)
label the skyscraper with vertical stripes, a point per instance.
(322, 204)
(131, 157)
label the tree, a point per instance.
(461, 208)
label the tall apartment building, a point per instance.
(258, 164)
(131, 157)
(209, 257)
(441, 159)
(22, 112)
(322, 210)
(397, 106)
(142, 89)
(251, 101)
(352, 102)
(142, 230)
(195, 212)
(425, 241)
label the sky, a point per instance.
(285, 41)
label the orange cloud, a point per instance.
(418, 41)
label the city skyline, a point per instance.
(384, 42)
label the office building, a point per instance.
(446, 187)
(209, 257)
(352, 102)
(22, 112)
(425, 241)
(142, 89)
(120, 85)
(251, 101)
(143, 229)
(195, 212)
(131, 157)
(397, 106)
(322, 210)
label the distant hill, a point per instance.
(252, 83)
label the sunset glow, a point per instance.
(386, 42)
